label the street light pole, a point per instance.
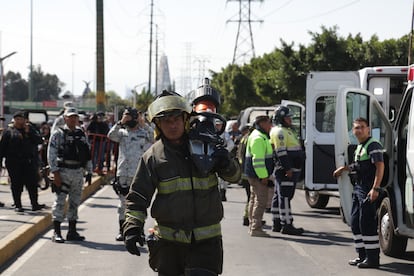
(73, 73)
(31, 53)
(2, 84)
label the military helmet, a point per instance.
(280, 114)
(167, 104)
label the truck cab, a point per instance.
(396, 202)
(385, 83)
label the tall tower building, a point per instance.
(163, 80)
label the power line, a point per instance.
(323, 13)
(279, 8)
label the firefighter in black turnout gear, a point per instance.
(187, 207)
(367, 172)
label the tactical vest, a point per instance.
(74, 151)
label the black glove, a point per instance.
(88, 178)
(131, 241)
(221, 158)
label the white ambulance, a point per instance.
(396, 203)
(386, 84)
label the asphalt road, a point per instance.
(324, 249)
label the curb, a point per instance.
(14, 242)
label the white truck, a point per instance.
(249, 114)
(396, 204)
(385, 83)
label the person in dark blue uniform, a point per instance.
(368, 168)
(17, 146)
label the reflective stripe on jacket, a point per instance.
(187, 206)
(179, 235)
(259, 155)
(287, 147)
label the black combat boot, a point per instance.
(57, 236)
(120, 236)
(72, 234)
(368, 263)
(289, 229)
(276, 225)
(360, 259)
(371, 260)
(245, 221)
(223, 195)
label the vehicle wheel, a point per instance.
(316, 200)
(391, 244)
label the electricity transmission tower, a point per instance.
(244, 47)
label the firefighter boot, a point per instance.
(120, 236)
(57, 235)
(72, 234)
(289, 229)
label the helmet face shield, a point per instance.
(165, 106)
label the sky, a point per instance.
(195, 35)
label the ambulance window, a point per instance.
(378, 127)
(398, 84)
(357, 106)
(325, 113)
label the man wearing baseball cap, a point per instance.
(16, 146)
(69, 158)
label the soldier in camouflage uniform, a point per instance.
(69, 157)
(134, 139)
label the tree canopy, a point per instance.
(282, 73)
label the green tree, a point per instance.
(144, 99)
(16, 88)
(45, 86)
(282, 73)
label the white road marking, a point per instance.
(12, 269)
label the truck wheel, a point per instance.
(316, 200)
(391, 244)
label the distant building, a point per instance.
(164, 81)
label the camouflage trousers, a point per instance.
(73, 178)
(124, 181)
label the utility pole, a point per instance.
(150, 48)
(244, 46)
(31, 53)
(2, 84)
(100, 58)
(156, 60)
